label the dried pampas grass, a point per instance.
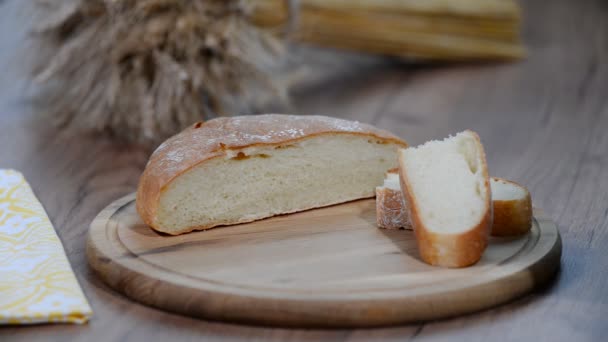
(142, 70)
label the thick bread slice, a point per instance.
(511, 202)
(512, 208)
(391, 210)
(447, 186)
(241, 169)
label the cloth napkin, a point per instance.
(37, 284)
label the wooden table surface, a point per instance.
(544, 123)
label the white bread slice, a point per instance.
(512, 206)
(240, 169)
(447, 187)
(391, 210)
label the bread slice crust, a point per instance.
(391, 209)
(445, 249)
(512, 217)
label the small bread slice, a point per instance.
(391, 210)
(447, 187)
(511, 202)
(512, 208)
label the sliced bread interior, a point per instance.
(512, 208)
(263, 181)
(447, 188)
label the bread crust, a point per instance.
(391, 210)
(450, 250)
(228, 135)
(512, 217)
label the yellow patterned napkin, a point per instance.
(37, 284)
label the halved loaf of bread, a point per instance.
(512, 208)
(511, 202)
(241, 169)
(447, 188)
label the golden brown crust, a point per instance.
(391, 211)
(512, 217)
(449, 250)
(217, 137)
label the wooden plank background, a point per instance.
(543, 121)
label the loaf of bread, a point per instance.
(240, 169)
(511, 202)
(447, 188)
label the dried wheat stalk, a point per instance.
(427, 29)
(142, 70)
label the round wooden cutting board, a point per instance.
(328, 267)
